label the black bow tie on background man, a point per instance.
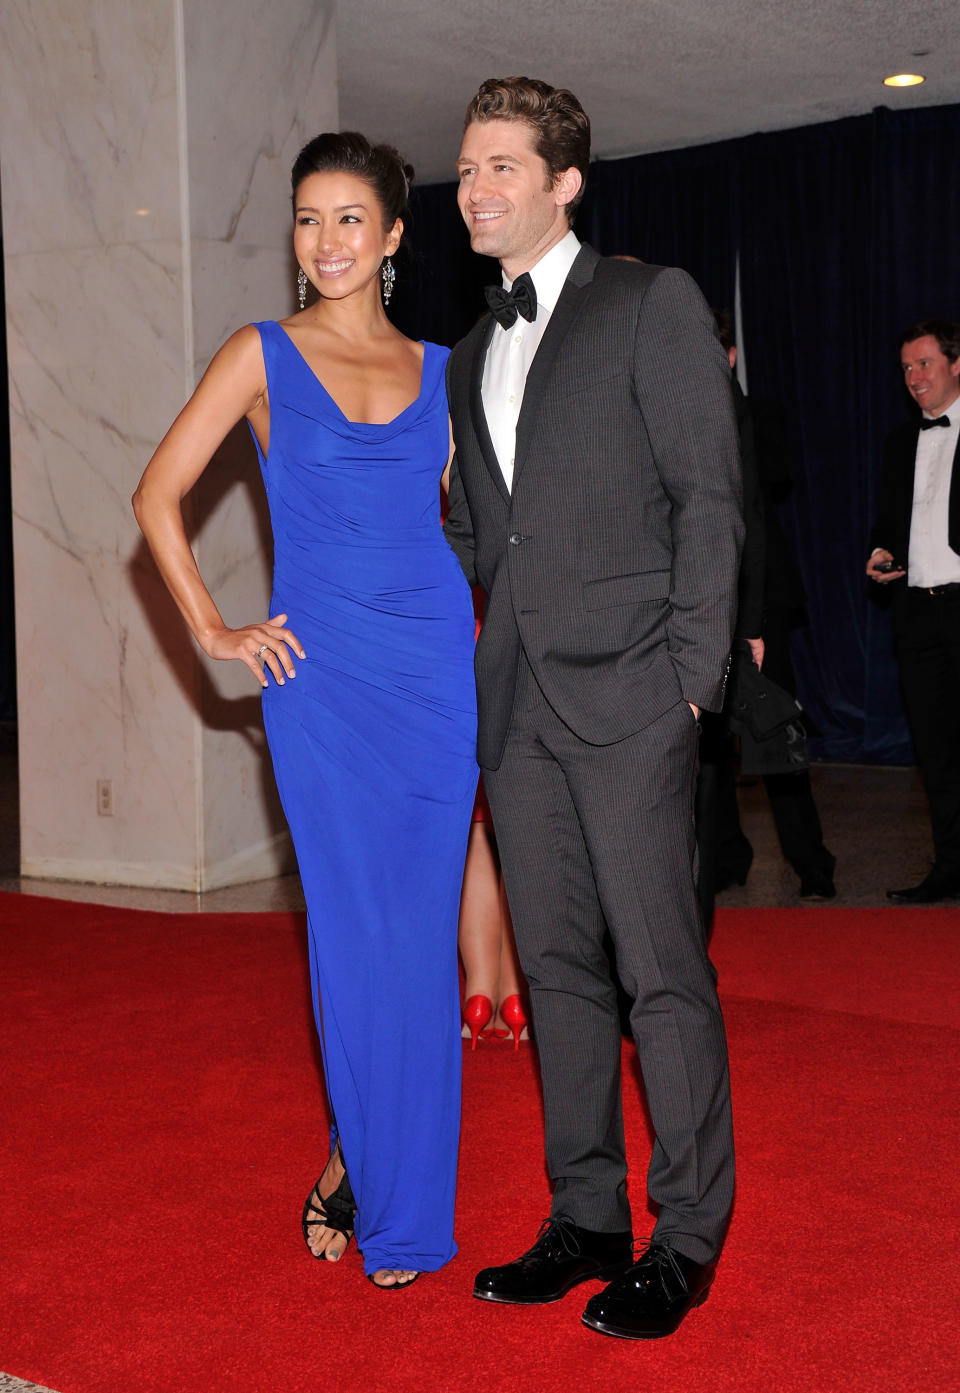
(925, 424)
(505, 305)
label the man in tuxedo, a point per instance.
(595, 497)
(916, 551)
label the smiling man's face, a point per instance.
(931, 379)
(512, 209)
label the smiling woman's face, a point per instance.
(338, 237)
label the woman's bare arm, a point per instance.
(233, 386)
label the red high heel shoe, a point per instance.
(511, 1009)
(477, 1010)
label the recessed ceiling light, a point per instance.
(143, 212)
(903, 80)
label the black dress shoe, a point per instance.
(651, 1299)
(939, 885)
(816, 878)
(733, 872)
(563, 1255)
(817, 885)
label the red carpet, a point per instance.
(161, 1128)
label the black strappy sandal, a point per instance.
(335, 1212)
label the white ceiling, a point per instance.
(651, 74)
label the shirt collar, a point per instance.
(551, 271)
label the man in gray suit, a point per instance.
(595, 497)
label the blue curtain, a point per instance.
(439, 286)
(678, 208)
(845, 234)
(845, 239)
(807, 215)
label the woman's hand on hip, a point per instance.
(260, 646)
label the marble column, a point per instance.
(144, 157)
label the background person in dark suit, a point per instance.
(595, 497)
(772, 603)
(916, 550)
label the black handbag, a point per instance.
(769, 721)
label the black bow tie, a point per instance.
(939, 421)
(505, 305)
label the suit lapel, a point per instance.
(567, 308)
(953, 507)
(484, 333)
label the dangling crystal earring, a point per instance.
(302, 287)
(388, 275)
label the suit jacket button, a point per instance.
(515, 539)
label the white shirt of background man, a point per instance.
(931, 560)
(511, 351)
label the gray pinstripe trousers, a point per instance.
(601, 836)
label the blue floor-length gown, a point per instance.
(373, 750)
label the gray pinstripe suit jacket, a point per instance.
(613, 562)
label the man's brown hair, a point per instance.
(945, 331)
(561, 127)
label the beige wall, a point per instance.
(144, 156)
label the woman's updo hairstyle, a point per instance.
(349, 152)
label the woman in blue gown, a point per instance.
(368, 697)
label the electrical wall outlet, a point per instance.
(105, 797)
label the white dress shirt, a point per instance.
(511, 351)
(931, 561)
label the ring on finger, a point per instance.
(264, 647)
